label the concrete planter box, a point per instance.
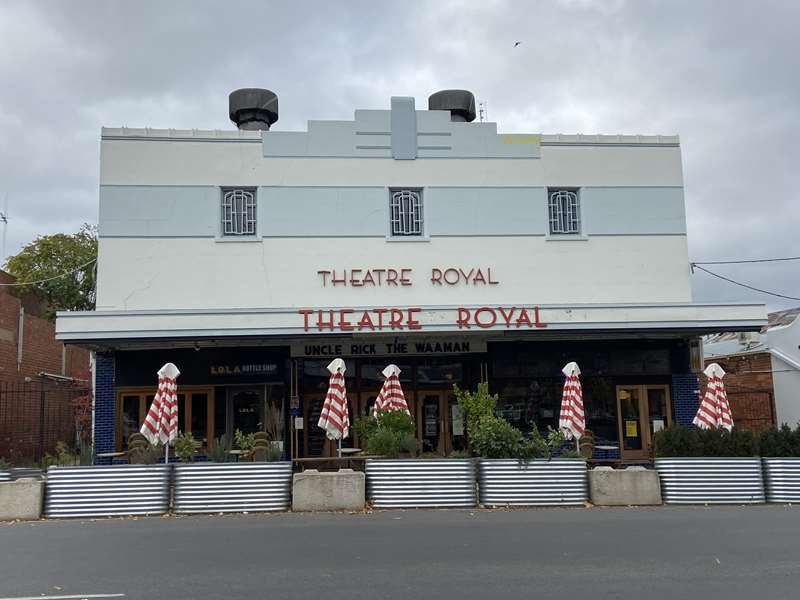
(421, 483)
(21, 499)
(782, 479)
(711, 480)
(232, 487)
(336, 490)
(107, 490)
(539, 482)
(634, 486)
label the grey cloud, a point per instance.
(721, 74)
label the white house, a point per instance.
(418, 237)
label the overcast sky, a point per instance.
(724, 75)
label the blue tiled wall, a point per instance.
(104, 404)
(685, 398)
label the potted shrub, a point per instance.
(708, 466)
(515, 470)
(394, 482)
(780, 451)
(259, 482)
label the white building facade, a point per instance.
(250, 258)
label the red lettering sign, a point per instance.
(382, 319)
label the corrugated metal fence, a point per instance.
(233, 487)
(782, 479)
(409, 483)
(711, 480)
(104, 491)
(533, 482)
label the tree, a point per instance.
(61, 268)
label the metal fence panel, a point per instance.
(711, 480)
(410, 483)
(105, 491)
(782, 479)
(5, 475)
(232, 487)
(533, 482)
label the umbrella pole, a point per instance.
(166, 453)
(340, 447)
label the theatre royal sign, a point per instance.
(408, 318)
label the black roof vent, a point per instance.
(460, 103)
(253, 108)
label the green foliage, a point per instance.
(64, 457)
(4, 465)
(389, 435)
(218, 449)
(49, 256)
(273, 453)
(494, 437)
(85, 452)
(475, 406)
(384, 443)
(459, 454)
(185, 447)
(245, 442)
(783, 441)
(679, 441)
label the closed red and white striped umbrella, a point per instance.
(335, 417)
(391, 396)
(714, 410)
(571, 420)
(161, 422)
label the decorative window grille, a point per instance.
(564, 207)
(238, 212)
(406, 213)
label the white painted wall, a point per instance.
(786, 384)
(204, 273)
(142, 162)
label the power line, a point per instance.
(75, 270)
(741, 262)
(739, 283)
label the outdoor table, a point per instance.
(110, 454)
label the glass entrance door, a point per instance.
(440, 427)
(642, 410)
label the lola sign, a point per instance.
(389, 319)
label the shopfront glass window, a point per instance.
(600, 408)
(372, 375)
(130, 418)
(199, 422)
(528, 402)
(247, 406)
(440, 373)
(657, 408)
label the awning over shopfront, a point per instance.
(109, 326)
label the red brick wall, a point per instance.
(34, 415)
(748, 381)
(40, 349)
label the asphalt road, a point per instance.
(693, 552)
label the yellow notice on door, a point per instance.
(631, 429)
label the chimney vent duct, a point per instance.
(460, 103)
(253, 108)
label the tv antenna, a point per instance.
(4, 220)
(482, 112)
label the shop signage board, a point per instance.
(388, 347)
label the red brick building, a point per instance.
(39, 377)
(748, 382)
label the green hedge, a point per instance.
(677, 441)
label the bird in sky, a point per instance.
(517, 44)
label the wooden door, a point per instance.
(642, 410)
(440, 428)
